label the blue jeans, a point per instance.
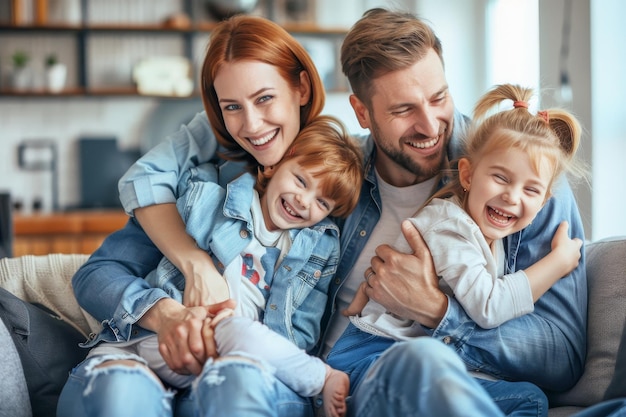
(230, 387)
(423, 377)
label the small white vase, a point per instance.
(55, 78)
(22, 79)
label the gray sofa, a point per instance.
(46, 280)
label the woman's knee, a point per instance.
(120, 387)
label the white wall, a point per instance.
(63, 120)
(608, 117)
(596, 64)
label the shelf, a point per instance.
(198, 27)
(103, 54)
(82, 92)
(40, 28)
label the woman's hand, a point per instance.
(179, 330)
(204, 285)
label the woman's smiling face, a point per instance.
(261, 110)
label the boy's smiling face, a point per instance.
(294, 198)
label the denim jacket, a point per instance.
(548, 346)
(156, 176)
(221, 222)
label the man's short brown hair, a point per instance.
(383, 41)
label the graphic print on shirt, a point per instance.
(249, 271)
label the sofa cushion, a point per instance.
(606, 313)
(48, 349)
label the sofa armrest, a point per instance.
(47, 280)
(606, 313)
(13, 391)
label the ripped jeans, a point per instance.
(235, 387)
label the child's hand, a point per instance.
(567, 249)
(215, 314)
(358, 303)
(219, 311)
(204, 285)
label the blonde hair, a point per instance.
(552, 134)
(324, 147)
(255, 38)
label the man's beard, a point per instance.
(421, 172)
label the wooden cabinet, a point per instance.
(72, 232)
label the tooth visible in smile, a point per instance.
(289, 210)
(264, 139)
(425, 145)
(504, 218)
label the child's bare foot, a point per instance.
(336, 389)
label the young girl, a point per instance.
(277, 252)
(260, 87)
(511, 161)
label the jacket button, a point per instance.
(317, 274)
(243, 234)
(447, 340)
(273, 306)
(362, 233)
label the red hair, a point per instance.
(255, 38)
(324, 148)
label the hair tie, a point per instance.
(520, 103)
(544, 115)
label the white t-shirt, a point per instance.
(398, 204)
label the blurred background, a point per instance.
(65, 142)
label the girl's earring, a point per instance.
(464, 189)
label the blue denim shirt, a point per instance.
(221, 222)
(156, 176)
(548, 346)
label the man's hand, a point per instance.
(406, 284)
(360, 299)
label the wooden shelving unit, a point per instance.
(88, 30)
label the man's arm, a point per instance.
(546, 347)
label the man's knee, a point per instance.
(422, 354)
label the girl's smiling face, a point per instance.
(505, 192)
(294, 198)
(261, 110)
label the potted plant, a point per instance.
(56, 74)
(21, 75)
